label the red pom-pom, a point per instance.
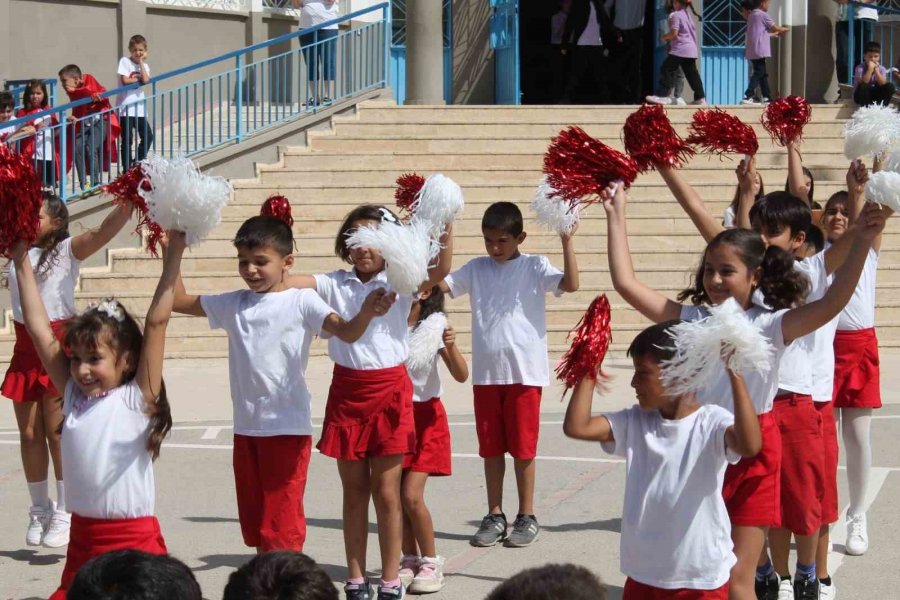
(279, 207)
(20, 200)
(718, 132)
(652, 142)
(408, 187)
(579, 167)
(785, 119)
(590, 341)
(125, 191)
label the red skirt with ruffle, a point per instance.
(26, 379)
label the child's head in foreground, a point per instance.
(265, 248)
(648, 350)
(503, 229)
(7, 106)
(781, 219)
(134, 575)
(551, 582)
(280, 576)
(71, 77)
(366, 261)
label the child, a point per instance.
(134, 575)
(551, 582)
(870, 81)
(760, 31)
(270, 327)
(683, 51)
(509, 357)
(736, 264)
(800, 181)
(280, 576)
(369, 424)
(56, 259)
(96, 125)
(675, 525)
(116, 412)
(132, 104)
(421, 569)
(749, 189)
(7, 109)
(41, 144)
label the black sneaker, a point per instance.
(526, 531)
(391, 593)
(491, 531)
(767, 589)
(806, 588)
(356, 591)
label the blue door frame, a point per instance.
(505, 43)
(398, 49)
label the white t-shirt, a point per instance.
(134, 100)
(860, 311)
(316, 12)
(675, 528)
(762, 388)
(106, 466)
(56, 284)
(427, 382)
(268, 349)
(591, 34)
(861, 13)
(5, 132)
(509, 321)
(384, 344)
(43, 138)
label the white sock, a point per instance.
(855, 426)
(60, 496)
(40, 493)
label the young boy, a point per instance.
(870, 79)
(132, 104)
(96, 125)
(270, 327)
(509, 360)
(676, 533)
(760, 30)
(551, 582)
(280, 576)
(7, 108)
(135, 575)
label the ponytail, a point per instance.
(782, 285)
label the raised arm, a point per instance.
(836, 254)
(87, 243)
(579, 423)
(184, 303)
(454, 360)
(708, 225)
(744, 436)
(441, 269)
(748, 187)
(796, 178)
(569, 283)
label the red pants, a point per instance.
(752, 487)
(803, 463)
(270, 479)
(639, 591)
(830, 451)
(857, 371)
(26, 380)
(507, 419)
(432, 454)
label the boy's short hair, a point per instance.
(280, 576)
(262, 230)
(7, 101)
(656, 341)
(551, 582)
(134, 575)
(503, 216)
(135, 40)
(872, 47)
(774, 212)
(815, 239)
(70, 71)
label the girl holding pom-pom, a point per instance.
(116, 413)
(55, 259)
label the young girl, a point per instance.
(369, 424)
(56, 259)
(683, 52)
(735, 264)
(421, 568)
(40, 145)
(116, 413)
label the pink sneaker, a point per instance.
(430, 577)
(409, 567)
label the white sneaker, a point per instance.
(827, 592)
(409, 566)
(700, 102)
(748, 101)
(38, 519)
(857, 536)
(786, 589)
(764, 101)
(430, 577)
(659, 100)
(57, 534)
(680, 101)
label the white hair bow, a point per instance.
(110, 308)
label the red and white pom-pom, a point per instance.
(590, 341)
(408, 187)
(785, 119)
(700, 346)
(20, 200)
(651, 140)
(407, 251)
(579, 167)
(439, 203)
(718, 132)
(125, 191)
(424, 342)
(553, 212)
(872, 130)
(278, 206)
(883, 188)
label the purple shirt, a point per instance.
(759, 44)
(860, 70)
(685, 43)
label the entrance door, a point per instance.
(398, 49)
(505, 43)
(723, 66)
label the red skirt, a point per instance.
(93, 537)
(857, 375)
(432, 453)
(752, 487)
(26, 379)
(368, 413)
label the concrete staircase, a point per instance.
(494, 153)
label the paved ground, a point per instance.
(579, 498)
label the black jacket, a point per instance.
(577, 22)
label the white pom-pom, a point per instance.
(553, 212)
(440, 201)
(884, 188)
(891, 162)
(424, 342)
(872, 130)
(700, 345)
(407, 250)
(182, 198)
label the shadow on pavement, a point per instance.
(215, 561)
(210, 519)
(614, 525)
(32, 557)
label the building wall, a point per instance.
(473, 59)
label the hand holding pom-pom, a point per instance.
(20, 200)
(554, 213)
(278, 206)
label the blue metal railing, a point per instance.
(886, 31)
(202, 106)
(16, 87)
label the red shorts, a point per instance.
(639, 591)
(368, 413)
(802, 464)
(26, 380)
(830, 452)
(92, 537)
(752, 487)
(270, 479)
(507, 419)
(432, 454)
(857, 374)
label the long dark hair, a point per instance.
(737, 195)
(49, 244)
(125, 335)
(434, 303)
(781, 285)
(364, 212)
(30, 87)
(812, 188)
